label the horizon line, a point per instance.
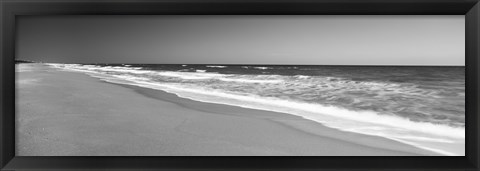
(359, 65)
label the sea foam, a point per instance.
(216, 66)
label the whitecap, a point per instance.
(263, 68)
(216, 66)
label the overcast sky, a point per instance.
(312, 40)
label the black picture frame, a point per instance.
(10, 9)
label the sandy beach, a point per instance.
(61, 113)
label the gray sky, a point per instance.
(312, 40)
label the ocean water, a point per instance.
(415, 105)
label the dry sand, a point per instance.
(62, 113)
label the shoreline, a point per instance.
(240, 131)
(439, 151)
(293, 121)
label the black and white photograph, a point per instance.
(240, 85)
